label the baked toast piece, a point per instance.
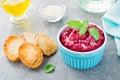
(11, 46)
(29, 37)
(30, 55)
(47, 45)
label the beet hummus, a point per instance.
(72, 40)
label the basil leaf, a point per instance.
(83, 30)
(85, 23)
(49, 68)
(94, 33)
(75, 24)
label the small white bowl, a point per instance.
(53, 18)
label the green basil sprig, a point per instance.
(82, 26)
(49, 68)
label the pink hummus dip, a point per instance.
(71, 39)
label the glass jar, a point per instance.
(96, 6)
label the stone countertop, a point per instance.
(107, 69)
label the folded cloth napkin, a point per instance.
(111, 23)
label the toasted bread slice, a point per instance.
(30, 55)
(30, 37)
(11, 46)
(47, 45)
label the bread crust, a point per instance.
(47, 45)
(11, 46)
(30, 55)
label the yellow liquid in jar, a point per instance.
(15, 7)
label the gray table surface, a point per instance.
(108, 69)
